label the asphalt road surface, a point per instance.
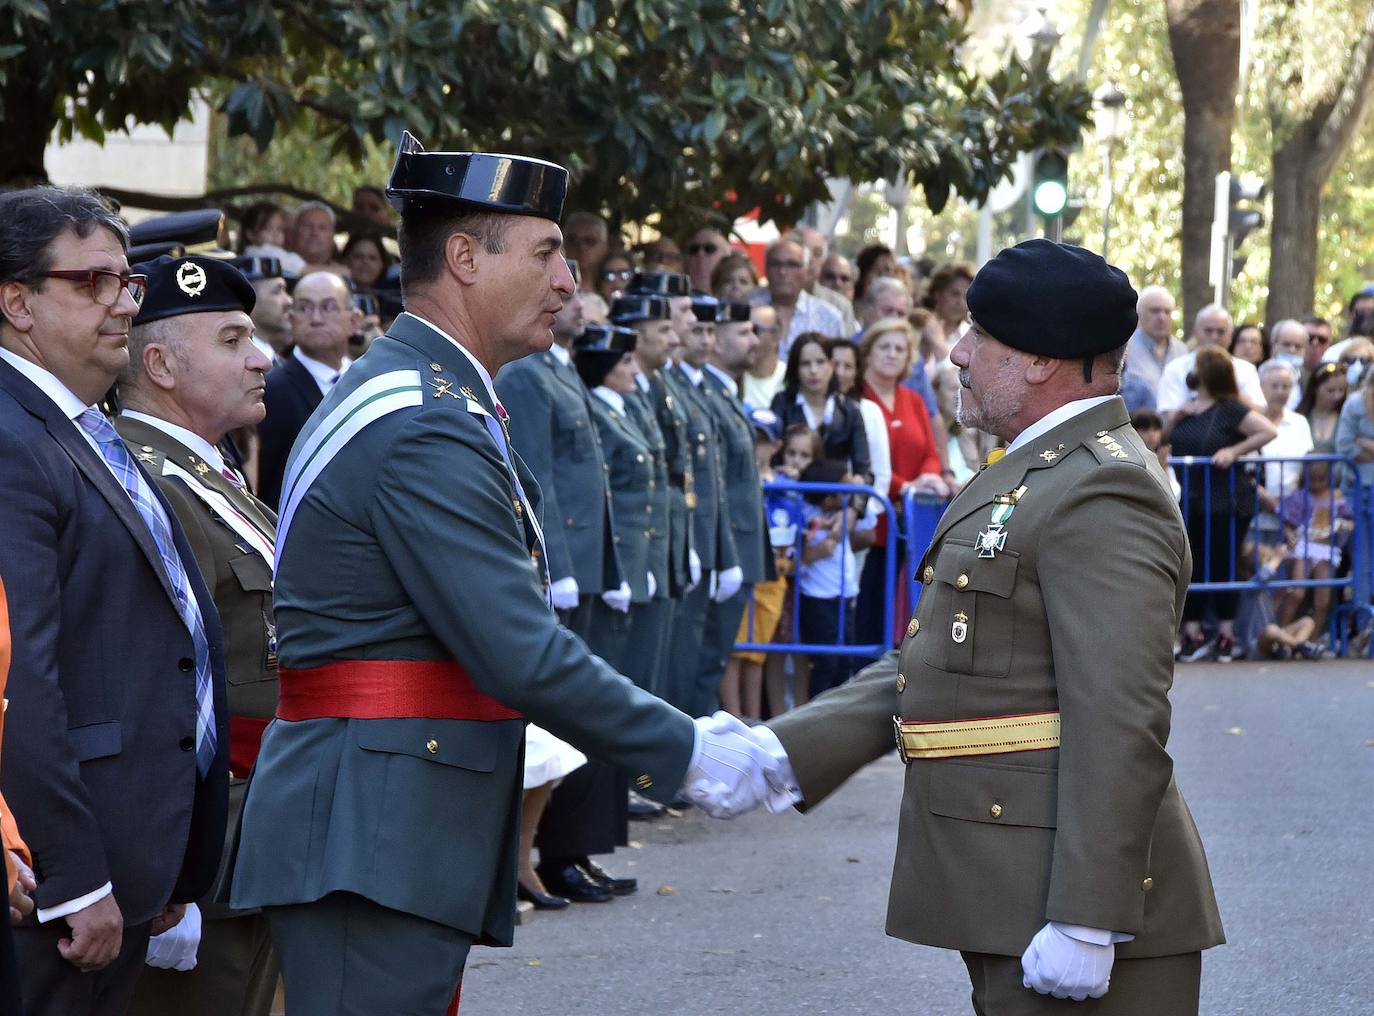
(783, 914)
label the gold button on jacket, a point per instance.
(928, 575)
(995, 811)
(913, 628)
(432, 746)
(901, 682)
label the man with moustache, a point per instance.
(193, 376)
(1042, 832)
(117, 744)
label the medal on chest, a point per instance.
(994, 537)
(958, 631)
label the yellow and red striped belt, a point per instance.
(979, 735)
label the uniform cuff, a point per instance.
(72, 906)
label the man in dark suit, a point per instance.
(117, 724)
(195, 375)
(322, 318)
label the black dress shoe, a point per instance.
(643, 808)
(571, 882)
(541, 901)
(599, 875)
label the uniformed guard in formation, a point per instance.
(380, 833)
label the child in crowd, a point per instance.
(829, 578)
(741, 690)
(1317, 521)
(1150, 426)
(801, 446)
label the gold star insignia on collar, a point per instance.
(200, 467)
(468, 392)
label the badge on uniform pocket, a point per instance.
(958, 631)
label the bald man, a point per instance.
(1152, 345)
(1211, 327)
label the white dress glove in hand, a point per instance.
(1056, 963)
(175, 948)
(653, 586)
(783, 789)
(727, 584)
(618, 599)
(564, 593)
(729, 773)
(693, 568)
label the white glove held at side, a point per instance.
(653, 586)
(618, 599)
(728, 583)
(175, 948)
(694, 568)
(564, 593)
(1058, 964)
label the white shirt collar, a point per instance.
(693, 374)
(827, 414)
(481, 371)
(190, 439)
(642, 380)
(47, 382)
(561, 355)
(1055, 417)
(613, 399)
(730, 383)
(324, 375)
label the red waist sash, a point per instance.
(245, 737)
(386, 689)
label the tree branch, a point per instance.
(1351, 103)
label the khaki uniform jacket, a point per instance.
(239, 579)
(1077, 612)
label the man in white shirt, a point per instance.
(1152, 346)
(1211, 327)
(799, 312)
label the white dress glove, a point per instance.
(618, 599)
(783, 789)
(728, 583)
(653, 586)
(564, 593)
(729, 773)
(1058, 963)
(175, 948)
(693, 568)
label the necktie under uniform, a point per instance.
(117, 456)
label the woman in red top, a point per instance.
(885, 350)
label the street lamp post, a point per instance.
(1111, 102)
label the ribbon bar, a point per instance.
(386, 689)
(982, 735)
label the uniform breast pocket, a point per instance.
(255, 578)
(971, 620)
(576, 435)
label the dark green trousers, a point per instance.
(235, 974)
(1155, 986)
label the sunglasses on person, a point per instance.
(106, 285)
(617, 274)
(701, 248)
(1348, 361)
(1317, 339)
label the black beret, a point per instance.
(705, 307)
(736, 312)
(628, 309)
(510, 184)
(192, 285)
(1053, 299)
(660, 284)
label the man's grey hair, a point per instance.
(1275, 364)
(1208, 311)
(1151, 291)
(882, 284)
(163, 332)
(795, 241)
(1287, 322)
(316, 206)
(587, 218)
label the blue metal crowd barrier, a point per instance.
(849, 493)
(1250, 561)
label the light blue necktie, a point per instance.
(117, 456)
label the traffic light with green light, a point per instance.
(1050, 182)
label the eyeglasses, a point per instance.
(1315, 338)
(841, 278)
(105, 285)
(702, 248)
(1348, 361)
(617, 274)
(306, 308)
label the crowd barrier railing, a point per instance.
(851, 496)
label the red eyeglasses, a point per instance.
(106, 285)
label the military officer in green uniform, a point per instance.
(712, 536)
(659, 420)
(732, 354)
(552, 430)
(1042, 832)
(380, 833)
(194, 375)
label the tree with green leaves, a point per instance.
(657, 107)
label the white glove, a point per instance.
(728, 583)
(783, 789)
(564, 593)
(175, 948)
(1056, 963)
(729, 773)
(693, 568)
(618, 599)
(653, 586)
